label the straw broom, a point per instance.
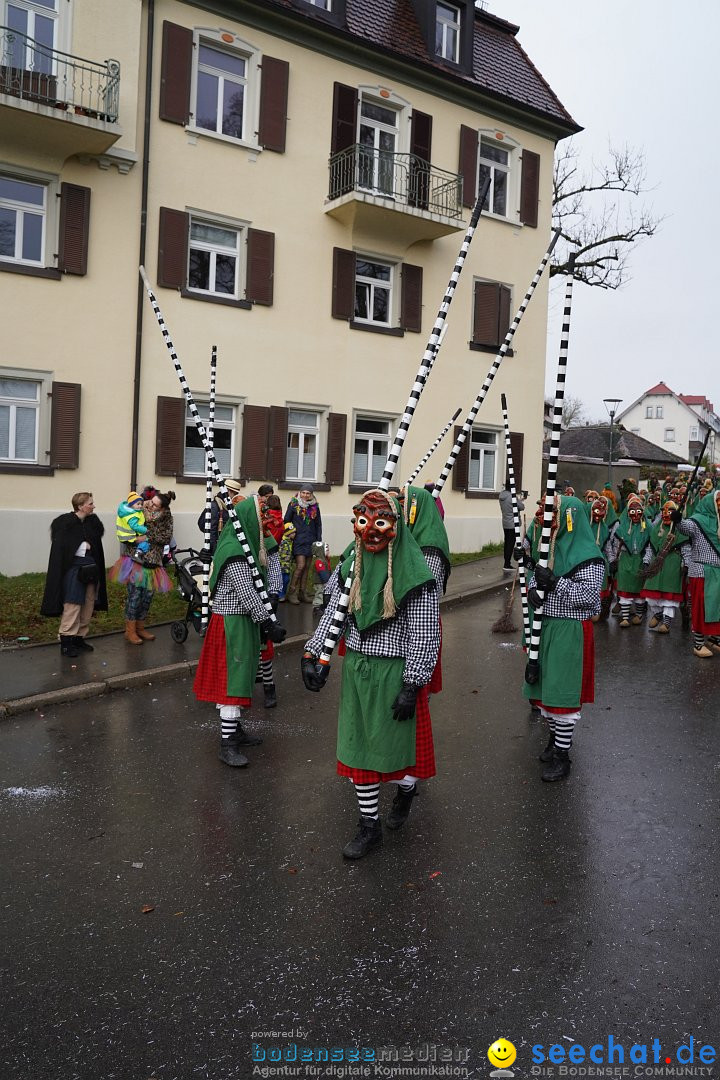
(505, 624)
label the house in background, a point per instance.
(679, 422)
(585, 452)
(297, 177)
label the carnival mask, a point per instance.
(375, 522)
(599, 510)
(667, 511)
(635, 512)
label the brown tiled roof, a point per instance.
(501, 67)
(593, 441)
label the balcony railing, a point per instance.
(46, 76)
(405, 178)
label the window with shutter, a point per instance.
(335, 458)
(173, 248)
(278, 443)
(273, 103)
(529, 188)
(74, 229)
(65, 426)
(517, 442)
(460, 468)
(260, 266)
(256, 425)
(176, 73)
(343, 284)
(411, 298)
(169, 436)
(227, 84)
(467, 165)
(420, 150)
(491, 315)
(344, 118)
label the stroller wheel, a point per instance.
(179, 632)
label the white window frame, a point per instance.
(240, 252)
(320, 412)
(492, 136)
(670, 434)
(659, 412)
(233, 425)
(384, 99)
(373, 284)
(372, 437)
(480, 446)
(694, 434)
(649, 412)
(444, 26)
(33, 9)
(325, 5)
(49, 213)
(42, 425)
(217, 39)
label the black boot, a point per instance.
(547, 754)
(67, 646)
(241, 738)
(83, 645)
(230, 755)
(369, 836)
(401, 806)
(558, 768)
(270, 695)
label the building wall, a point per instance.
(82, 329)
(676, 416)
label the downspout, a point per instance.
(143, 240)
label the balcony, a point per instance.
(56, 101)
(376, 190)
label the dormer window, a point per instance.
(326, 5)
(447, 32)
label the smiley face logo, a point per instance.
(502, 1053)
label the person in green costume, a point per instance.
(601, 532)
(238, 627)
(392, 637)
(571, 584)
(627, 546)
(703, 528)
(664, 589)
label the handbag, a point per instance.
(88, 573)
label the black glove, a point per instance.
(205, 556)
(519, 555)
(545, 579)
(676, 517)
(404, 704)
(534, 599)
(271, 630)
(314, 674)
(612, 569)
(273, 598)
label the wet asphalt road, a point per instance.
(542, 913)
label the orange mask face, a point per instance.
(375, 521)
(667, 511)
(599, 510)
(635, 513)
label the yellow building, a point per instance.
(297, 177)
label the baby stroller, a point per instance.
(189, 567)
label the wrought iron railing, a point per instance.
(406, 178)
(36, 73)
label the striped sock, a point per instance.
(625, 608)
(368, 796)
(698, 641)
(564, 728)
(229, 717)
(266, 670)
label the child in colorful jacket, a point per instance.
(130, 523)
(286, 556)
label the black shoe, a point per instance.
(270, 695)
(549, 751)
(82, 645)
(241, 738)
(369, 836)
(558, 768)
(230, 754)
(67, 646)
(401, 806)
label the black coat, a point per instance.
(67, 533)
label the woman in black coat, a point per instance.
(75, 583)
(304, 513)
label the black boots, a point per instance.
(270, 695)
(229, 753)
(558, 768)
(241, 738)
(401, 807)
(83, 645)
(67, 646)
(547, 754)
(369, 836)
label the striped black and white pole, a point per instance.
(421, 464)
(433, 345)
(516, 517)
(463, 434)
(219, 478)
(429, 357)
(205, 612)
(532, 668)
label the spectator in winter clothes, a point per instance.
(304, 513)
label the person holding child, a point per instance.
(144, 580)
(304, 513)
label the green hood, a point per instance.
(574, 540)
(424, 522)
(706, 517)
(659, 537)
(229, 548)
(634, 537)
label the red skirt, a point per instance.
(211, 675)
(587, 686)
(654, 594)
(697, 609)
(435, 684)
(424, 765)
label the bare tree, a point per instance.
(599, 215)
(573, 412)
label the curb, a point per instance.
(169, 672)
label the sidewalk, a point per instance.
(37, 676)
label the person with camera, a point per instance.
(75, 584)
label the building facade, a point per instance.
(677, 422)
(297, 179)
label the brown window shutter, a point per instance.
(277, 442)
(173, 248)
(335, 457)
(273, 103)
(260, 266)
(256, 423)
(486, 313)
(176, 73)
(529, 188)
(170, 436)
(74, 229)
(343, 284)
(504, 299)
(411, 298)
(420, 148)
(460, 468)
(468, 164)
(65, 426)
(344, 117)
(517, 440)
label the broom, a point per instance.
(505, 624)
(655, 565)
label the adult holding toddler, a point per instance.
(304, 513)
(144, 579)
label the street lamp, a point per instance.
(611, 404)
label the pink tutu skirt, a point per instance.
(127, 571)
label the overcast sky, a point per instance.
(645, 73)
